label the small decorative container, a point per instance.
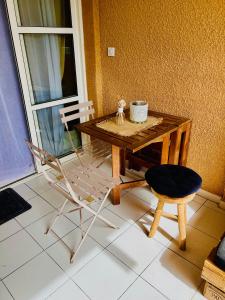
(138, 111)
(120, 115)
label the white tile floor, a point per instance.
(113, 264)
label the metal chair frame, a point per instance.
(98, 151)
(80, 186)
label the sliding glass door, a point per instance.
(15, 159)
(48, 41)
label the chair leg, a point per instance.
(81, 220)
(52, 223)
(74, 253)
(156, 220)
(182, 225)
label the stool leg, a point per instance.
(185, 213)
(182, 225)
(157, 216)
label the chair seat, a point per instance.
(173, 181)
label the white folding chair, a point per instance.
(81, 186)
(95, 152)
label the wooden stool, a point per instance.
(174, 185)
(180, 217)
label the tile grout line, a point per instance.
(36, 255)
(107, 207)
(41, 196)
(11, 234)
(38, 219)
(203, 205)
(175, 254)
(44, 251)
(104, 248)
(155, 288)
(120, 216)
(127, 288)
(57, 208)
(58, 239)
(71, 276)
(25, 227)
(211, 236)
(123, 261)
(66, 274)
(145, 282)
(205, 233)
(69, 279)
(139, 276)
(166, 247)
(7, 290)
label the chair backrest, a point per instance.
(86, 108)
(54, 163)
(74, 114)
(45, 158)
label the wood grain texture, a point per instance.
(180, 217)
(182, 225)
(122, 145)
(155, 223)
(136, 142)
(165, 149)
(213, 274)
(116, 173)
(212, 293)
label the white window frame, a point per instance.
(23, 69)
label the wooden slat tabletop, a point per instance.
(133, 143)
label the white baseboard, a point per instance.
(222, 204)
(209, 196)
(212, 197)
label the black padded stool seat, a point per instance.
(173, 181)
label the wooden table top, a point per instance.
(135, 142)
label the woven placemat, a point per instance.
(128, 128)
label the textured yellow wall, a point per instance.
(90, 11)
(172, 54)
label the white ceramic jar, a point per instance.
(139, 111)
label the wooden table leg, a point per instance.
(179, 145)
(184, 145)
(175, 142)
(115, 173)
(165, 149)
(122, 162)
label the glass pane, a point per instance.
(54, 137)
(45, 13)
(52, 66)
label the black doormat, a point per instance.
(11, 205)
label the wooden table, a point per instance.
(173, 132)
